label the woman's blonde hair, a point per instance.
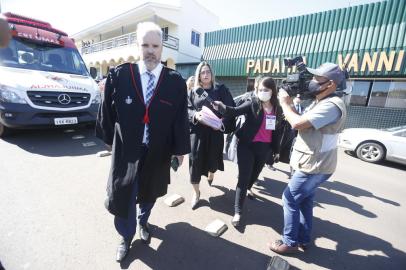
(197, 75)
(190, 82)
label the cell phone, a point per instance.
(175, 163)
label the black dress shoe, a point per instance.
(122, 249)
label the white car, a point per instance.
(374, 145)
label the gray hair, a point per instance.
(197, 74)
(145, 27)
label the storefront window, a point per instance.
(359, 92)
(250, 84)
(397, 95)
(379, 94)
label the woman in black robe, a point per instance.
(207, 143)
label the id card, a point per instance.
(270, 121)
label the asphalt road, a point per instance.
(52, 189)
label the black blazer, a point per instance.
(254, 115)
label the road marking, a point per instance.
(77, 137)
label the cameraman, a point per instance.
(314, 156)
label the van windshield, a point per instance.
(24, 54)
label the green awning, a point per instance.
(371, 37)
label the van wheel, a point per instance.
(4, 131)
(370, 152)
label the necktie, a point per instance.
(150, 87)
(148, 95)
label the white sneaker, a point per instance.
(144, 233)
(195, 199)
(236, 220)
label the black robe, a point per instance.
(120, 124)
(207, 143)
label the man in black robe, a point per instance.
(143, 117)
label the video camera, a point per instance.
(297, 83)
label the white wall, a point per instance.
(125, 52)
(196, 17)
(191, 15)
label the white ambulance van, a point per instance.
(43, 79)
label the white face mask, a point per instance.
(264, 96)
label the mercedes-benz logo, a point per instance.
(64, 99)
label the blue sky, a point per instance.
(73, 16)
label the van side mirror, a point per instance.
(93, 72)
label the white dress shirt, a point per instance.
(144, 82)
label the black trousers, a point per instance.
(251, 160)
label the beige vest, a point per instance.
(315, 151)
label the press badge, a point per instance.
(270, 121)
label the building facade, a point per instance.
(370, 39)
(113, 42)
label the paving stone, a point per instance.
(216, 228)
(277, 263)
(174, 200)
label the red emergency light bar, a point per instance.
(18, 19)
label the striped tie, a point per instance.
(150, 87)
(148, 95)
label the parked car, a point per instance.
(374, 145)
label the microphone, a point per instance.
(203, 94)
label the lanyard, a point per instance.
(146, 115)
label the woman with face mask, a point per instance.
(258, 136)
